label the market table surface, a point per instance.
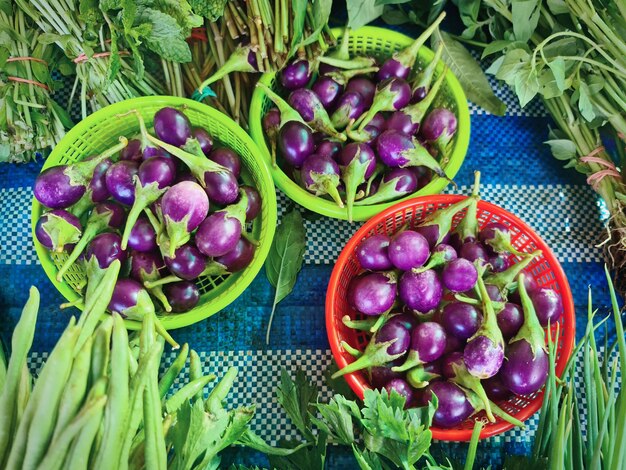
(518, 173)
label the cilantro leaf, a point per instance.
(337, 419)
(298, 398)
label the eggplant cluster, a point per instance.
(451, 313)
(169, 204)
(357, 132)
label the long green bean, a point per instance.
(23, 393)
(195, 372)
(213, 403)
(21, 343)
(80, 452)
(3, 368)
(173, 370)
(117, 407)
(35, 429)
(76, 388)
(53, 459)
(187, 392)
(101, 349)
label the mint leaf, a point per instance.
(298, 398)
(211, 9)
(165, 36)
(469, 73)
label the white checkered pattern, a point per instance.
(565, 216)
(16, 245)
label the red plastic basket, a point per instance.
(545, 269)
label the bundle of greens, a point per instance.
(30, 120)
(244, 37)
(572, 54)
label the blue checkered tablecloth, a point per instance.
(518, 173)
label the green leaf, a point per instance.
(321, 13)
(525, 18)
(394, 16)
(584, 102)
(390, 2)
(339, 386)
(336, 419)
(254, 441)
(558, 70)
(495, 46)
(211, 10)
(526, 85)
(469, 73)
(6, 7)
(89, 11)
(299, 15)
(285, 258)
(366, 460)
(306, 458)
(514, 60)
(468, 10)
(361, 12)
(62, 113)
(298, 398)
(558, 7)
(435, 10)
(166, 37)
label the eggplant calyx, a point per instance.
(353, 174)
(236, 62)
(345, 75)
(412, 360)
(419, 156)
(176, 235)
(348, 64)
(531, 330)
(60, 231)
(418, 110)
(443, 218)
(489, 327)
(81, 173)
(361, 325)
(144, 196)
(375, 354)
(354, 352)
(408, 55)
(326, 184)
(466, 380)
(287, 113)
(505, 279)
(418, 377)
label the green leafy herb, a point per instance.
(285, 258)
(298, 398)
(525, 14)
(469, 73)
(211, 10)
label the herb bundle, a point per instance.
(30, 120)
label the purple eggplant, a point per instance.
(402, 388)
(295, 143)
(154, 176)
(484, 351)
(61, 186)
(408, 250)
(438, 128)
(455, 357)
(391, 95)
(526, 367)
(372, 293)
(295, 75)
(409, 118)
(221, 187)
(327, 90)
(547, 304)
(381, 375)
(428, 341)
(422, 83)
(148, 266)
(58, 228)
(373, 253)
(105, 216)
(106, 248)
(495, 388)
(219, 233)
(182, 296)
(132, 301)
(472, 251)
(350, 106)
(271, 126)
(312, 110)
(497, 237)
(184, 206)
(254, 203)
(97, 186)
(461, 320)
(227, 158)
(142, 235)
(440, 255)
(401, 62)
(420, 291)
(396, 183)
(366, 88)
(510, 320)
(204, 139)
(238, 258)
(357, 163)
(320, 175)
(454, 344)
(459, 275)
(188, 262)
(389, 343)
(172, 126)
(132, 151)
(499, 263)
(453, 406)
(120, 181)
(400, 150)
(505, 280)
(328, 148)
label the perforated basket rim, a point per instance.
(360, 213)
(569, 320)
(242, 279)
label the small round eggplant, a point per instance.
(420, 291)
(227, 158)
(295, 75)
(182, 296)
(295, 143)
(548, 305)
(142, 236)
(372, 293)
(373, 254)
(204, 139)
(327, 90)
(238, 258)
(453, 406)
(188, 263)
(461, 320)
(172, 126)
(408, 250)
(106, 248)
(459, 275)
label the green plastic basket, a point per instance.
(380, 43)
(102, 129)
